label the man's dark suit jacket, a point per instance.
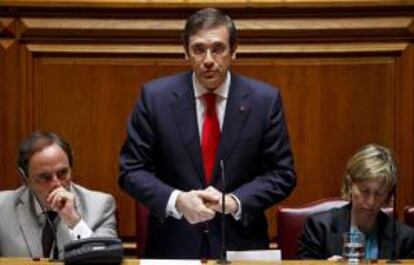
(162, 152)
(322, 236)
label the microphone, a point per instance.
(55, 256)
(393, 257)
(223, 254)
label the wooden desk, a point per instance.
(25, 261)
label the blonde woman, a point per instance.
(368, 185)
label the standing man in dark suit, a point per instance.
(183, 126)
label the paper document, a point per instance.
(257, 255)
(168, 262)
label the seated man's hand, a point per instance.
(192, 205)
(231, 205)
(63, 202)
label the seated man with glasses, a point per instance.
(45, 164)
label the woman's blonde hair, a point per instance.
(371, 162)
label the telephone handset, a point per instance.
(94, 250)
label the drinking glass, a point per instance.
(353, 249)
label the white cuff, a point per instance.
(81, 230)
(171, 210)
(236, 215)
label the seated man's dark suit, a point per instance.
(322, 236)
(162, 153)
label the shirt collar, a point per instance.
(222, 90)
(37, 207)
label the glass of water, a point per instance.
(353, 250)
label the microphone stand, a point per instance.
(393, 257)
(223, 254)
(55, 256)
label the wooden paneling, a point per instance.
(201, 3)
(333, 106)
(10, 115)
(7, 27)
(273, 30)
(101, 28)
(344, 69)
(88, 101)
(326, 99)
(404, 126)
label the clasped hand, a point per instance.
(62, 201)
(201, 205)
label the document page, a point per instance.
(169, 262)
(254, 255)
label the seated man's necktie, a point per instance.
(48, 237)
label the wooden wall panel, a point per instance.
(344, 69)
(169, 5)
(333, 106)
(10, 115)
(88, 101)
(326, 99)
(254, 30)
(8, 27)
(9, 89)
(404, 126)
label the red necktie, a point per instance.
(210, 136)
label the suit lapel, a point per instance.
(384, 236)
(340, 224)
(29, 224)
(184, 111)
(237, 109)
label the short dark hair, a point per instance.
(38, 141)
(209, 18)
